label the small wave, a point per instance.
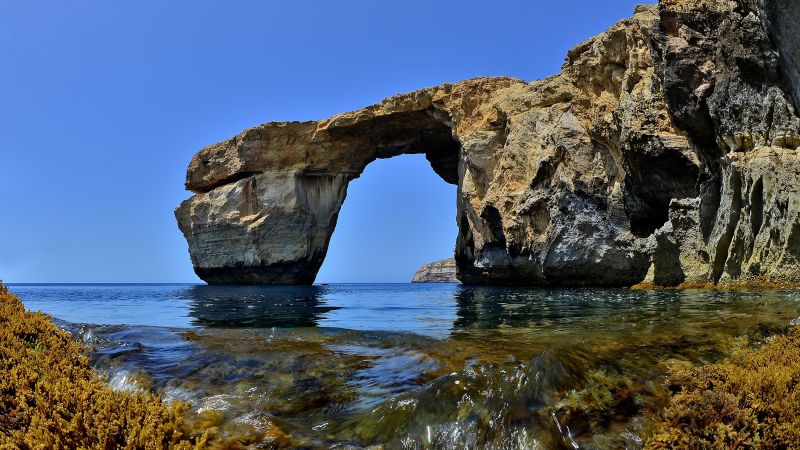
(217, 403)
(125, 381)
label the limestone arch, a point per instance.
(277, 211)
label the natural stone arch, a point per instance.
(627, 166)
(268, 199)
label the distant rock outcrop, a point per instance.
(666, 151)
(443, 271)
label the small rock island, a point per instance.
(443, 271)
(666, 152)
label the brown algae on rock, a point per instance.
(517, 369)
(51, 398)
(749, 400)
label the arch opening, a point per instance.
(274, 226)
(396, 216)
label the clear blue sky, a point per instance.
(103, 103)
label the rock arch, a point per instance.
(630, 165)
(267, 200)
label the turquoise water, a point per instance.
(408, 365)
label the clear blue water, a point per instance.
(407, 365)
(425, 309)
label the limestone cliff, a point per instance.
(443, 271)
(665, 151)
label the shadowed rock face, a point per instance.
(782, 20)
(665, 151)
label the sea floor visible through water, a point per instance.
(409, 365)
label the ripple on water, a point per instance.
(417, 366)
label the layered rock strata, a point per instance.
(443, 271)
(666, 152)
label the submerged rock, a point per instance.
(443, 271)
(666, 151)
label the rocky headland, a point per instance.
(443, 271)
(666, 152)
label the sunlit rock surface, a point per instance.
(665, 152)
(443, 271)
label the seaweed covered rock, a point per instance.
(51, 398)
(665, 151)
(747, 401)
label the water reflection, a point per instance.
(257, 307)
(452, 310)
(413, 366)
(493, 307)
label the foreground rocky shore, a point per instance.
(51, 398)
(665, 152)
(748, 401)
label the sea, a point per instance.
(409, 366)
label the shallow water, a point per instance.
(408, 366)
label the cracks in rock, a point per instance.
(757, 207)
(726, 238)
(710, 198)
(768, 119)
(547, 168)
(238, 176)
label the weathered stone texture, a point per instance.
(666, 151)
(781, 18)
(443, 271)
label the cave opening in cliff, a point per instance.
(654, 179)
(398, 215)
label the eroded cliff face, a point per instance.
(781, 19)
(666, 151)
(442, 271)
